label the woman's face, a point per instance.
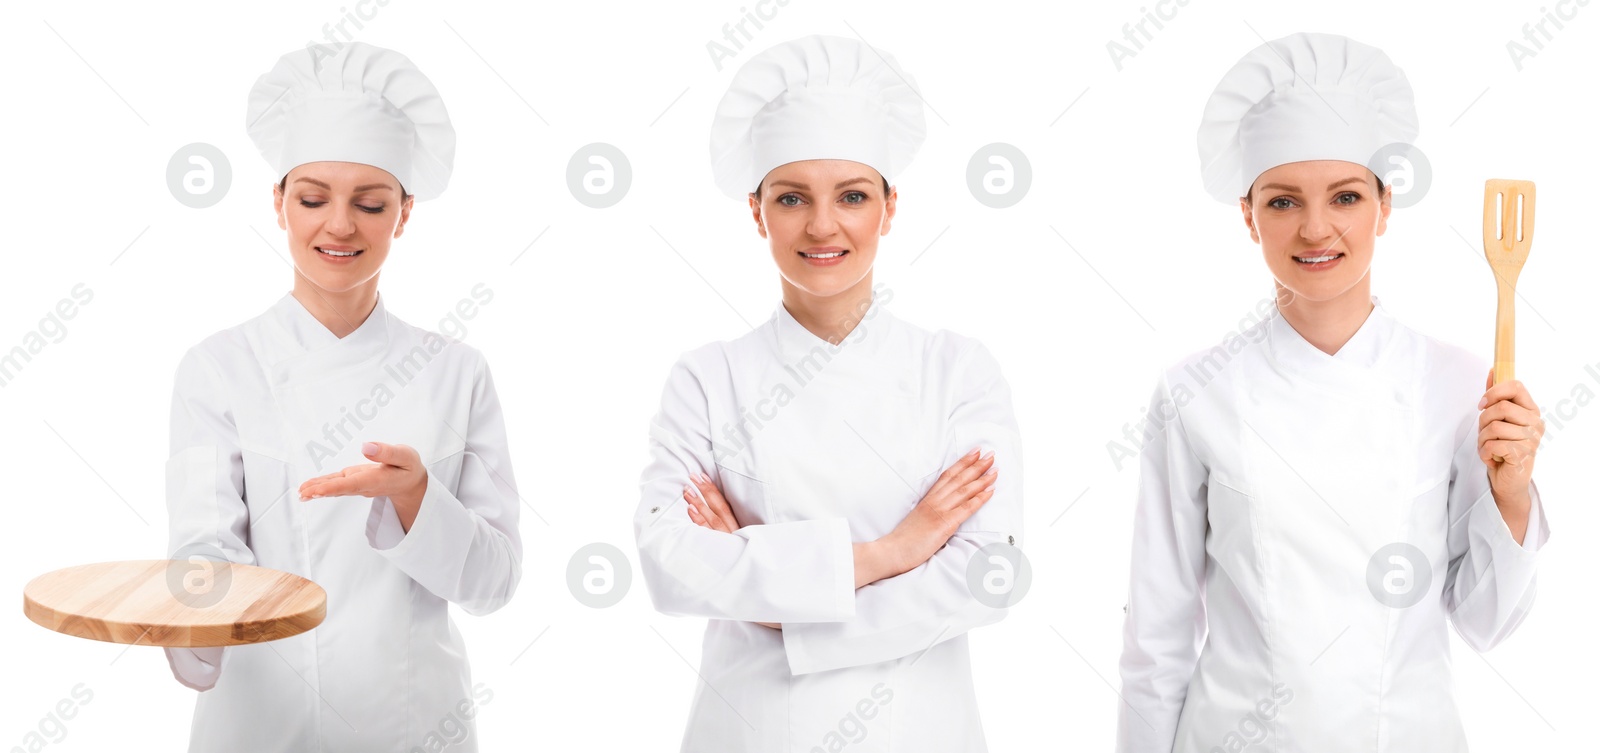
(340, 217)
(823, 219)
(1317, 222)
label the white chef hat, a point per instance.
(361, 104)
(816, 97)
(1302, 97)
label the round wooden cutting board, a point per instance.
(175, 603)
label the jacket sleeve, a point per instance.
(800, 571)
(1489, 585)
(934, 602)
(464, 545)
(1165, 624)
(206, 513)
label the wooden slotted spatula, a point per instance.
(1507, 238)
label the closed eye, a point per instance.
(368, 209)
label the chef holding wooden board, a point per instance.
(338, 477)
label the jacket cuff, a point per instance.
(842, 573)
(1538, 531)
(1490, 526)
(383, 524)
(442, 524)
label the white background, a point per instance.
(585, 324)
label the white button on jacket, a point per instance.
(260, 408)
(816, 447)
(1307, 525)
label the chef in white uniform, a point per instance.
(811, 482)
(1322, 493)
(330, 439)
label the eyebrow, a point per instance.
(1296, 189)
(367, 187)
(805, 187)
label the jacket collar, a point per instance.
(794, 342)
(313, 351)
(1362, 353)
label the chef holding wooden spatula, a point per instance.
(1335, 487)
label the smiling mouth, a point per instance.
(829, 255)
(339, 254)
(1317, 259)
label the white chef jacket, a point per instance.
(1273, 475)
(263, 406)
(816, 447)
